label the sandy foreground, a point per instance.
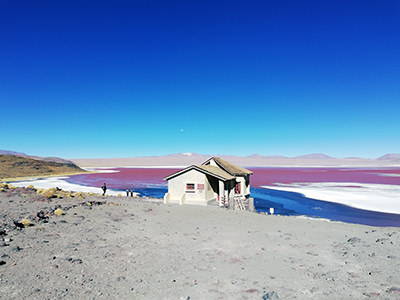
(133, 248)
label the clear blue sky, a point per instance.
(131, 78)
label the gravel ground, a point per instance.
(133, 248)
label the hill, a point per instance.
(390, 156)
(13, 153)
(54, 159)
(18, 166)
(255, 160)
(314, 156)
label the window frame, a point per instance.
(190, 186)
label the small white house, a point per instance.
(214, 180)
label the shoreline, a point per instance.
(373, 197)
(382, 198)
(59, 182)
(21, 178)
(379, 198)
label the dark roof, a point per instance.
(229, 167)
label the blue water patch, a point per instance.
(152, 192)
(290, 203)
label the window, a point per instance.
(190, 186)
(238, 188)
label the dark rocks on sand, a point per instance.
(18, 225)
(394, 290)
(270, 295)
(16, 249)
(354, 240)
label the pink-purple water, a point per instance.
(149, 182)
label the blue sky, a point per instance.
(132, 78)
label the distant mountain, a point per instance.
(18, 166)
(254, 160)
(390, 156)
(186, 154)
(314, 156)
(258, 156)
(12, 153)
(53, 159)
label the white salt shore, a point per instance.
(60, 182)
(375, 197)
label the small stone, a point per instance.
(270, 295)
(251, 291)
(2, 262)
(16, 249)
(354, 240)
(58, 212)
(394, 290)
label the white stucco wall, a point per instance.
(177, 192)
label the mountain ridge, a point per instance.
(12, 166)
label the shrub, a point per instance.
(50, 193)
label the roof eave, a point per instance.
(198, 169)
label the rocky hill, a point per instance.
(18, 166)
(54, 159)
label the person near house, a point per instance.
(104, 188)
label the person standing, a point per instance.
(104, 188)
(132, 193)
(127, 192)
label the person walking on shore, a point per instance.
(104, 188)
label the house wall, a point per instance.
(245, 184)
(177, 192)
